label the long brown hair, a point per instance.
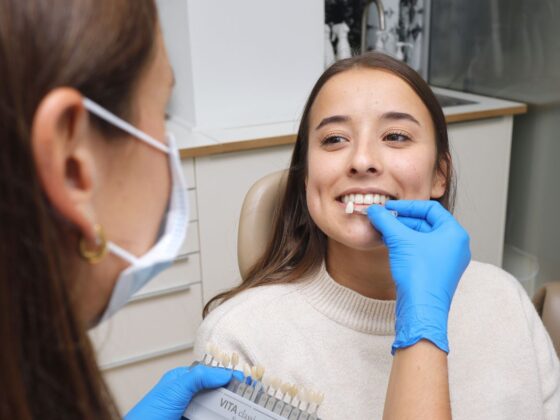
(298, 247)
(99, 47)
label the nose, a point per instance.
(365, 159)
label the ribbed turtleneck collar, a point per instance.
(347, 307)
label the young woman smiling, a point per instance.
(318, 309)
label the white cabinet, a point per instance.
(481, 156)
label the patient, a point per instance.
(318, 308)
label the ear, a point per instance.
(439, 183)
(63, 162)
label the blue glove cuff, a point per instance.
(436, 337)
(421, 322)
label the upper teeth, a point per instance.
(365, 198)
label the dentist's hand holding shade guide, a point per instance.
(428, 253)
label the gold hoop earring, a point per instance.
(93, 256)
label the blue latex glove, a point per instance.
(428, 253)
(169, 399)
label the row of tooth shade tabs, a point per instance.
(287, 400)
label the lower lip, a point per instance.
(357, 207)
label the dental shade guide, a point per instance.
(350, 208)
(255, 397)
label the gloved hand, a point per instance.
(428, 253)
(169, 399)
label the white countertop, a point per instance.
(204, 141)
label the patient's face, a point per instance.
(371, 138)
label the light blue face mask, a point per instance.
(173, 229)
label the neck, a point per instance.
(366, 272)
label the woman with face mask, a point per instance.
(93, 205)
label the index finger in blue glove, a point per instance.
(432, 211)
(418, 225)
(384, 221)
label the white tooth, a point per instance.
(350, 207)
(368, 199)
(345, 199)
(376, 199)
(359, 199)
(352, 197)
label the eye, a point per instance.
(333, 139)
(397, 137)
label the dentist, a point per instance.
(93, 205)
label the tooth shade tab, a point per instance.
(363, 210)
(349, 207)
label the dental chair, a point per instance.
(255, 230)
(547, 303)
(255, 224)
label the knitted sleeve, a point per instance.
(547, 360)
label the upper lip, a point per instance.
(366, 191)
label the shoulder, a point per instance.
(490, 291)
(492, 303)
(233, 323)
(486, 278)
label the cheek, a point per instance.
(415, 176)
(315, 194)
(151, 185)
(319, 181)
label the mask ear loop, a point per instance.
(93, 256)
(122, 124)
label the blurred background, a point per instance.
(511, 49)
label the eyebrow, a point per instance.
(391, 115)
(394, 115)
(333, 119)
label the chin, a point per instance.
(370, 245)
(366, 241)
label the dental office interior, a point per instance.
(243, 71)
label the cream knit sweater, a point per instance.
(321, 335)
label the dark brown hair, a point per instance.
(99, 47)
(298, 247)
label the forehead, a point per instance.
(361, 93)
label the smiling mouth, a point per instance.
(365, 199)
(358, 203)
